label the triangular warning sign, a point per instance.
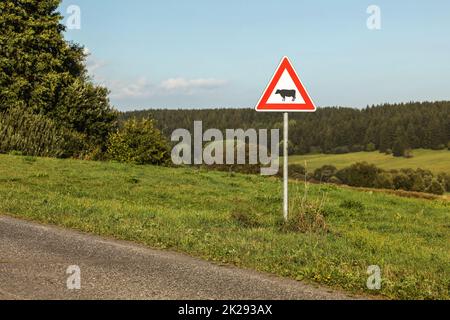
(285, 92)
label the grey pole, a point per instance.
(286, 167)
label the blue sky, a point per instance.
(199, 54)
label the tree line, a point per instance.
(391, 128)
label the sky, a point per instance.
(211, 54)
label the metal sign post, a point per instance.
(285, 93)
(286, 167)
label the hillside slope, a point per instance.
(434, 160)
(235, 219)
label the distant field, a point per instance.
(436, 161)
(236, 219)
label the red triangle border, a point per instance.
(263, 106)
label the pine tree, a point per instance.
(400, 143)
(45, 74)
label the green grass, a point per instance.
(201, 213)
(436, 161)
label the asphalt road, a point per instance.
(34, 259)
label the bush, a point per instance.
(84, 107)
(436, 188)
(297, 171)
(341, 150)
(335, 180)
(398, 150)
(36, 135)
(439, 147)
(420, 179)
(370, 147)
(360, 174)
(139, 142)
(324, 173)
(444, 179)
(418, 184)
(315, 149)
(402, 181)
(357, 148)
(426, 175)
(384, 180)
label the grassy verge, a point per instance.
(435, 161)
(235, 219)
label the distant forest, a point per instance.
(388, 128)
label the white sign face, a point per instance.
(285, 91)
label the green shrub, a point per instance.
(296, 171)
(439, 147)
(140, 142)
(360, 174)
(370, 147)
(444, 179)
(324, 173)
(402, 181)
(357, 148)
(412, 180)
(341, 150)
(15, 153)
(335, 180)
(398, 151)
(315, 150)
(24, 133)
(384, 180)
(426, 175)
(436, 188)
(418, 183)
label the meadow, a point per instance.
(434, 160)
(235, 219)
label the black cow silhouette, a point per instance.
(287, 93)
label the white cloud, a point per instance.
(92, 63)
(140, 88)
(143, 88)
(191, 85)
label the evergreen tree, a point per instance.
(400, 143)
(45, 74)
